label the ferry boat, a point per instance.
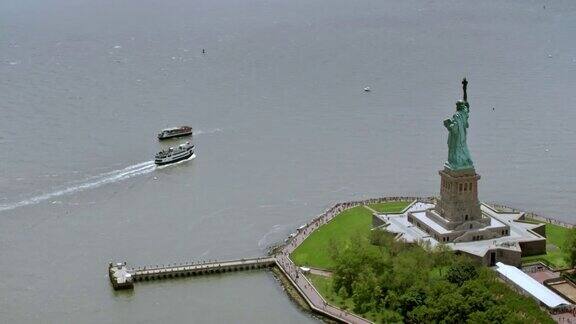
(173, 155)
(175, 132)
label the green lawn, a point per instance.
(555, 238)
(556, 235)
(390, 207)
(315, 250)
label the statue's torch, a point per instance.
(464, 85)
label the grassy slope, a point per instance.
(555, 235)
(315, 250)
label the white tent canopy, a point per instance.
(531, 286)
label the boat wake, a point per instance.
(207, 132)
(265, 241)
(94, 182)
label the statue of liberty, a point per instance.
(458, 154)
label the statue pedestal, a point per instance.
(457, 216)
(458, 206)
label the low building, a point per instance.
(520, 239)
(531, 287)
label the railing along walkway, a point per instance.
(304, 286)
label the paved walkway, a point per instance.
(320, 272)
(371, 209)
(300, 281)
(568, 318)
(542, 275)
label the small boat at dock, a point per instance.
(175, 132)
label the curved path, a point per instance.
(304, 286)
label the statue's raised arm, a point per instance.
(465, 93)
(464, 86)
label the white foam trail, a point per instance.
(126, 169)
(211, 131)
(94, 182)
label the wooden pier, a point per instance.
(123, 277)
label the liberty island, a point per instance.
(456, 220)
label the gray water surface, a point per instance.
(283, 130)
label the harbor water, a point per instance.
(283, 129)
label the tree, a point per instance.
(477, 296)
(570, 248)
(389, 316)
(461, 271)
(350, 261)
(353, 259)
(413, 297)
(443, 256)
(422, 314)
(385, 239)
(411, 266)
(392, 300)
(496, 314)
(450, 308)
(397, 282)
(365, 292)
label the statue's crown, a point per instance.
(460, 104)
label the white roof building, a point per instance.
(506, 248)
(532, 287)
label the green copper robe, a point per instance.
(458, 154)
